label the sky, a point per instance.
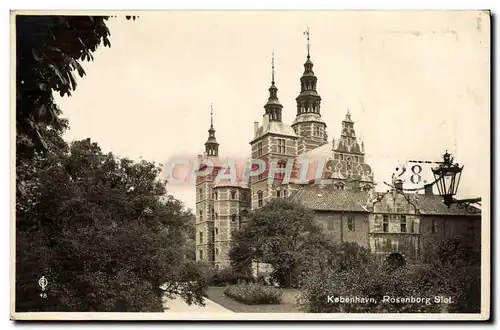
(416, 84)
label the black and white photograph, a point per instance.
(251, 165)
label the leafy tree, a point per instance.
(353, 273)
(104, 233)
(458, 260)
(283, 234)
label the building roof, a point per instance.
(307, 117)
(275, 127)
(329, 199)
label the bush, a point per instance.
(254, 294)
(371, 283)
(226, 276)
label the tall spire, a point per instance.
(211, 146)
(307, 33)
(272, 68)
(273, 106)
(211, 115)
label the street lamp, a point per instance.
(447, 178)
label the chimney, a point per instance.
(255, 127)
(266, 121)
(428, 190)
(398, 185)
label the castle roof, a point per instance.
(275, 127)
(329, 199)
(307, 117)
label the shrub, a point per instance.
(254, 294)
(372, 283)
(226, 276)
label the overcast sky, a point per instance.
(416, 84)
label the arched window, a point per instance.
(233, 217)
(260, 198)
(215, 195)
(233, 194)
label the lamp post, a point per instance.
(447, 178)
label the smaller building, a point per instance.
(392, 224)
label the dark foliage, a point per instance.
(254, 294)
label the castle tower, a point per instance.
(205, 214)
(308, 124)
(275, 143)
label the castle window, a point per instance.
(213, 214)
(341, 157)
(280, 174)
(412, 226)
(201, 215)
(233, 217)
(216, 251)
(216, 216)
(403, 223)
(201, 254)
(201, 237)
(435, 226)
(385, 224)
(281, 146)
(330, 224)
(260, 197)
(316, 131)
(259, 149)
(339, 185)
(215, 195)
(200, 191)
(233, 194)
(350, 224)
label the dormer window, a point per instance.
(339, 185)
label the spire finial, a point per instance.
(306, 32)
(272, 67)
(211, 115)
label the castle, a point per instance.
(392, 224)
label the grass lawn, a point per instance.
(216, 294)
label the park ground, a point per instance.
(218, 302)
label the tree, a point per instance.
(353, 273)
(104, 233)
(283, 234)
